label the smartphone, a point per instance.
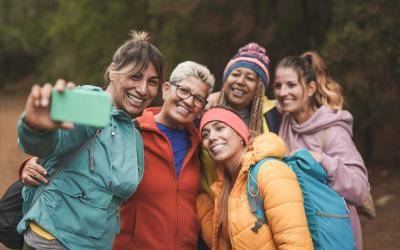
(84, 107)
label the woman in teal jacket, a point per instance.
(80, 208)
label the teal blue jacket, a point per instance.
(81, 207)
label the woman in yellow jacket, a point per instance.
(226, 222)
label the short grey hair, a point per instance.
(187, 69)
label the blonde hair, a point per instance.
(187, 69)
(135, 55)
(256, 121)
(310, 67)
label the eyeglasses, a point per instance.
(184, 93)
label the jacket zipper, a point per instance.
(176, 183)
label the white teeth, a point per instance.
(217, 147)
(238, 91)
(135, 99)
(183, 109)
(287, 101)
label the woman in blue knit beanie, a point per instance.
(245, 80)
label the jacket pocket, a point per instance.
(149, 229)
(191, 234)
(81, 208)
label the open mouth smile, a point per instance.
(287, 101)
(217, 148)
(134, 100)
(238, 91)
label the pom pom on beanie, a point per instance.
(251, 56)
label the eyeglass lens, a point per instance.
(184, 93)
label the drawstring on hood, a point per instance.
(98, 132)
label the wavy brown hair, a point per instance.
(310, 67)
(134, 56)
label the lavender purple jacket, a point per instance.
(344, 166)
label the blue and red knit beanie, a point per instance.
(251, 56)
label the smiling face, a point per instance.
(222, 143)
(293, 96)
(240, 87)
(134, 93)
(177, 113)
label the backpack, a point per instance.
(367, 208)
(11, 203)
(326, 211)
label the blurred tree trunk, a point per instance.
(307, 29)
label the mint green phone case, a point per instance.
(90, 108)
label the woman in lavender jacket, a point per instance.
(311, 102)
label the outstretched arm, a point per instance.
(38, 134)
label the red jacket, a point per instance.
(161, 214)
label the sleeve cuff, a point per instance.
(22, 166)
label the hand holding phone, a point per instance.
(79, 106)
(37, 108)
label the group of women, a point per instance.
(160, 187)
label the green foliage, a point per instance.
(75, 40)
(362, 51)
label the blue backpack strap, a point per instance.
(272, 119)
(253, 195)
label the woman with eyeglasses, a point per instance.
(161, 214)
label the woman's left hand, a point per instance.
(317, 156)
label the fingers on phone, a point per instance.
(35, 95)
(60, 85)
(45, 93)
(66, 125)
(71, 85)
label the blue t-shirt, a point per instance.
(180, 143)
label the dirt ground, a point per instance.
(382, 233)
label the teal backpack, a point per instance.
(327, 214)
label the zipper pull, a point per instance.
(98, 132)
(110, 184)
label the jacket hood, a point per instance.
(265, 145)
(147, 122)
(323, 118)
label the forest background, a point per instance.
(43, 40)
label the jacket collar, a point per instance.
(147, 122)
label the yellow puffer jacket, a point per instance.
(283, 202)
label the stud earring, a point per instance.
(242, 142)
(309, 94)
